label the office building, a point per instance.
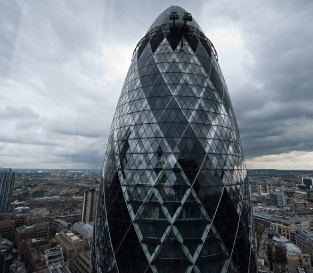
(34, 231)
(277, 198)
(31, 252)
(72, 244)
(56, 225)
(90, 203)
(308, 181)
(6, 187)
(174, 194)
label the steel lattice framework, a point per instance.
(174, 194)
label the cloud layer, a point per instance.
(62, 67)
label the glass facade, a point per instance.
(174, 194)
(7, 178)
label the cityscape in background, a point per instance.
(46, 221)
(48, 224)
(174, 194)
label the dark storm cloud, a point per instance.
(274, 106)
(63, 63)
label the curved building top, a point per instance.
(164, 21)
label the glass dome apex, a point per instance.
(163, 19)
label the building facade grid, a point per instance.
(174, 194)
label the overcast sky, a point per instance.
(63, 63)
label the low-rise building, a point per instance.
(296, 256)
(56, 225)
(31, 251)
(7, 228)
(261, 221)
(37, 230)
(72, 244)
(287, 226)
(21, 210)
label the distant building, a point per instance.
(6, 187)
(261, 221)
(90, 203)
(71, 218)
(299, 203)
(285, 225)
(8, 255)
(64, 206)
(259, 189)
(290, 192)
(39, 212)
(277, 198)
(308, 181)
(21, 210)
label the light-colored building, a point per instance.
(84, 229)
(296, 256)
(72, 244)
(21, 210)
(287, 226)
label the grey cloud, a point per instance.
(12, 112)
(52, 60)
(10, 17)
(277, 34)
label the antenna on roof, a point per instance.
(174, 16)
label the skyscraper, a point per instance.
(174, 194)
(90, 203)
(6, 187)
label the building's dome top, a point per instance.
(163, 18)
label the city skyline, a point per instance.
(63, 66)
